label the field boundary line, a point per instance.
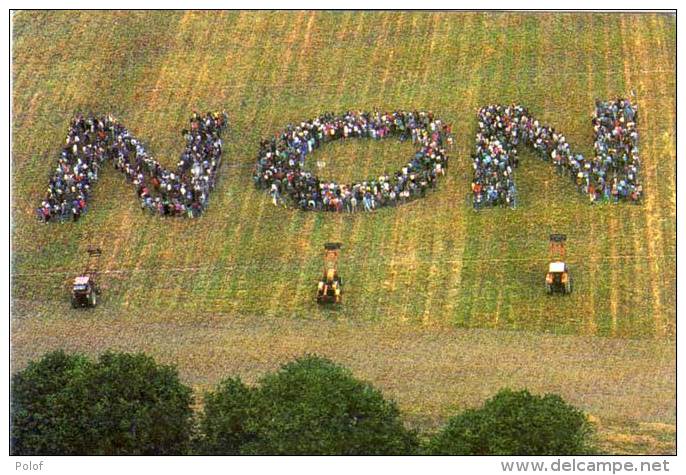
(271, 264)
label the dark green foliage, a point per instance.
(139, 407)
(313, 406)
(516, 423)
(44, 419)
(126, 404)
(224, 418)
(123, 404)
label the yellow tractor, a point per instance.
(558, 278)
(329, 289)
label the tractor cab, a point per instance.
(329, 288)
(85, 290)
(558, 278)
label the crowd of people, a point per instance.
(281, 167)
(616, 165)
(611, 175)
(91, 141)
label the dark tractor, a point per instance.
(85, 289)
(558, 279)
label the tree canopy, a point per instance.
(310, 406)
(123, 404)
(516, 423)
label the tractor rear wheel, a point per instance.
(548, 289)
(74, 302)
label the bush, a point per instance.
(516, 423)
(123, 404)
(224, 418)
(313, 406)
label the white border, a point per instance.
(294, 465)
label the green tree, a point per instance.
(314, 406)
(516, 423)
(138, 407)
(44, 419)
(224, 418)
(123, 404)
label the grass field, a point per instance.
(433, 290)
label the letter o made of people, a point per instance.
(280, 167)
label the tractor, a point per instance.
(329, 289)
(85, 289)
(558, 278)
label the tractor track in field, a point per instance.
(302, 246)
(653, 232)
(233, 228)
(670, 184)
(237, 225)
(188, 86)
(388, 280)
(506, 62)
(162, 74)
(558, 73)
(377, 58)
(595, 269)
(204, 85)
(384, 53)
(294, 71)
(637, 244)
(455, 276)
(434, 283)
(411, 262)
(476, 289)
(614, 284)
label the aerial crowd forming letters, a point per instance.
(91, 140)
(281, 163)
(612, 174)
